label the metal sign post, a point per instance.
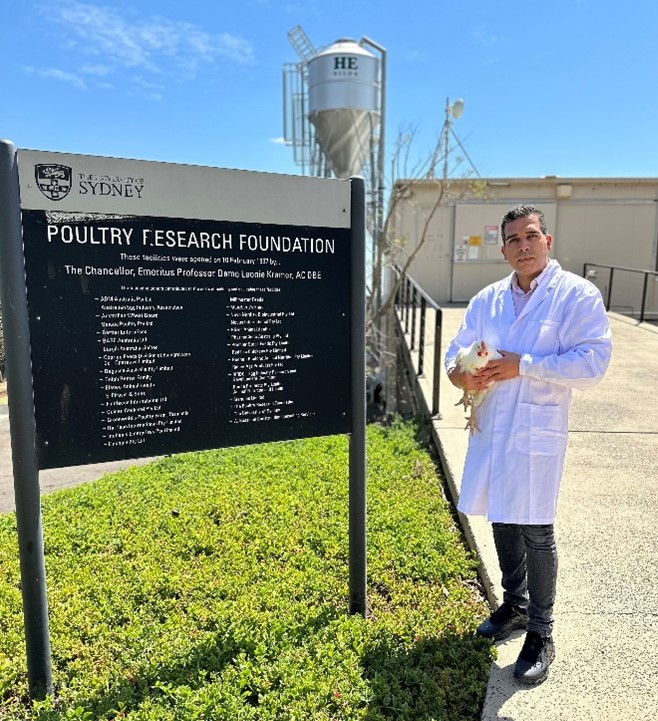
(13, 299)
(357, 512)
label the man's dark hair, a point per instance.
(522, 211)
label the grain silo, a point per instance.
(343, 104)
(334, 101)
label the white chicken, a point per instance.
(469, 360)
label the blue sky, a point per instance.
(566, 87)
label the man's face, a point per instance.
(526, 247)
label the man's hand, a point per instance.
(501, 369)
(467, 381)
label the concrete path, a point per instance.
(606, 615)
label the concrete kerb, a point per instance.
(476, 529)
(450, 440)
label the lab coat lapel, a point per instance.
(506, 301)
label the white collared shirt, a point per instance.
(519, 296)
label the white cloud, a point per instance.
(56, 74)
(482, 36)
(150, 45)
(98, 69)
(147, 84)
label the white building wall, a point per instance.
(605, 221)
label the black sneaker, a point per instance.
(502, 622)
(536, 656)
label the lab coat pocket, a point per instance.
(539, 429)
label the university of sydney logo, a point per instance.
(54, 181)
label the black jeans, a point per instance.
(528, 561)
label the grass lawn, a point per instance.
(215, 586)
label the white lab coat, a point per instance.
(514, 463)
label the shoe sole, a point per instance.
(509, 631)
(540, 679)
(517, 626)
(532, 681)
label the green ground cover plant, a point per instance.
(215, 586)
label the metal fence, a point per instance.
(421, 320)
(590, 272)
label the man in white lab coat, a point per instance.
(552, 331)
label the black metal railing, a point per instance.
(592, 275)
(412, 305)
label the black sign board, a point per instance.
(154, 335)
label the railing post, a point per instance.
(436, 381)
(413, 318)
(407, 283)
(421, 333)
(607, 304)
(644, 296)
